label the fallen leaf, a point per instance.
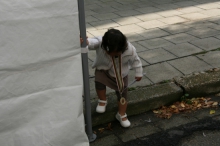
(109, 126)
(155, 111)
(101, 130)
(210, 102)
(182, 105)
(212, 112)
(215, 104)
(173, 106)
(199, 105)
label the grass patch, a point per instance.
(164, 81)
(131, 88)
(203, 52)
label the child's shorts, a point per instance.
(103, 79)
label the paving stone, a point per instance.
(194, 16)
(200, 24)
(207, 43)
(91, 6)
(89, 35)
(217, 118)
(161, 72)
(203, 113)
(147, 17)
(217, 27)
(162, 1)
(125, 1)
(144, 4)
(156, 55)
(218, 36)
(91, 19)
(146, 10)
(105, 16)
(167, 6)
(98, 32)
(127, 13)
(106, 141)
(144, 63)
(102, 10)
(111, 3)
(130, 28)
(169, 13)
(89, 27)
(212, 58)
(183, 49)
(138, 132)
(174, 121)
(173, 20)
(124, 7)
(208, 6)
(104, 24)
(88, 2)
(155, 43)
(211, 12)
(215, 19)
(144, 81)
(188, 65)
(180, 38)
(127, 20)
(91, 70)
(204, 1)
(185, 3)
(139, 47)
(198, 139)
(153, 33)
(190, 9)
(92, 55)
(203, 33)
(176, 28)
(132, 37)
(89, 12)
(151, 24)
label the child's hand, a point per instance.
(81, 41)
(138, 78)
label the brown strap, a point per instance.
(118, 74)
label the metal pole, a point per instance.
(82, 26)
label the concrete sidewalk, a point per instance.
(177, 41)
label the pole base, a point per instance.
(92, 137)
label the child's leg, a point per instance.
(122, 108)
(101, 92)
(101, 95)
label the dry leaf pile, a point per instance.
(183, 106)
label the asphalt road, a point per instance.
(198, 128)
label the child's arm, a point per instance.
(136, 64)
(93, 43)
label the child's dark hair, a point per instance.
(114, 40)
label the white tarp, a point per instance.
(40, 74)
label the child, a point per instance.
(114, 58)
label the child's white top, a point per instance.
(130, 59)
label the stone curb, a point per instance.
(202, 84)
(144, 99)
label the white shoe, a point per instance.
(99, 108)
(125, 123)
